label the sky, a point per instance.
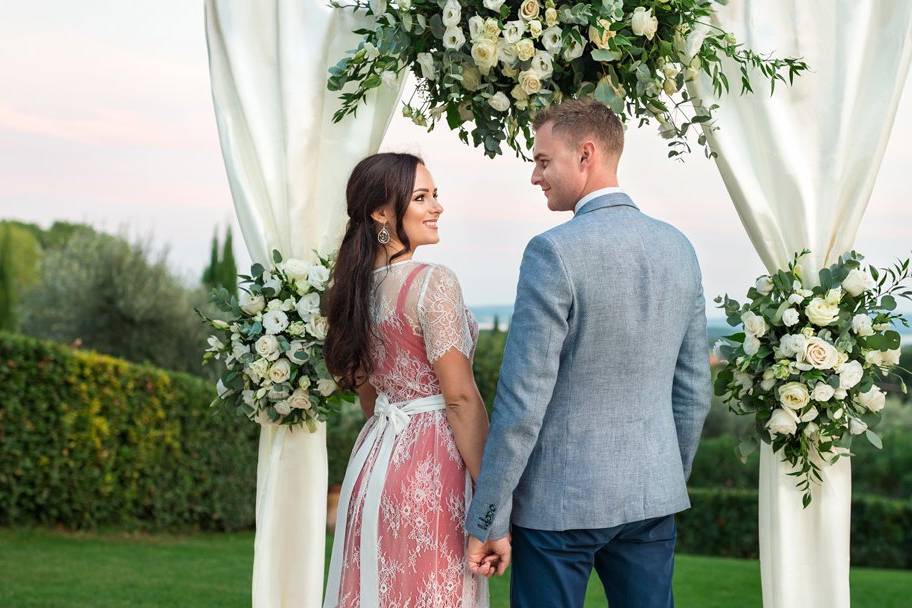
(106, 118)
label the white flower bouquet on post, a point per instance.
(495, 63)
(271, 345)
(808, 361)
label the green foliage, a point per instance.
(341, 432)
(87, 440)
(116, 297)
(488, 357)
(7, 303)
(724, 522)
(222, 270)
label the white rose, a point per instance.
(280, 371)
(257, 370)
(874, 399)
(861, 325)
(857, 426)
(513, 31)
(790, 317)
(525, 49)
(822, 313)
(858, 282)
(484, 53)
(296, 269)
(299, 400)
(542, 63)
(840, 394)
(754, 325)
(318, 327)
(530, 82)
(318, 276)
(476, 28)
(891, 357)
(275, 321)
(535, 28)
(883, 358)
(499, 102)
(552, 40)
(529, 10)
(850, 375)
(493, 5)
(551, 16)
(782, 422)
(267, 347)
(643, 22)
(308, 305)
(819, 353)
(252, 305)
(518, 94)
(833, 296)
(326, 386)
(282, 408)
(574, 51)
(453, 38)
(792, 344)
(426, 62)
(452, 13)
(506, 52)
(794, 395)
(751, 344)
(822, 392)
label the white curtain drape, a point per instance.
(800, 166)
(287, 166)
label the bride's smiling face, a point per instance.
(421, 215)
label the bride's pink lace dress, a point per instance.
(419, 315)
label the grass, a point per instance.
(42, 569)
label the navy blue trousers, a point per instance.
(634, 561)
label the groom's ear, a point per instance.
(586, 152)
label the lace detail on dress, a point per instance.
(443, 316)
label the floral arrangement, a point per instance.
(493, 64)
(810, 362)
(271, 345)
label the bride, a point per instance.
(401, 336)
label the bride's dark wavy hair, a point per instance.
(376, 181)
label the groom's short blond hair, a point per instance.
(578, 119)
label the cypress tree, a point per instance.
(210, 274)
(7, 303)
(227, 266)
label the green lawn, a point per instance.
(41, 568)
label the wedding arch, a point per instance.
(303, 90)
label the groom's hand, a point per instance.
(488, 558)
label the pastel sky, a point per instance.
(106, 117)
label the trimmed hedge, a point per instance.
(724, 522)
(87, 440)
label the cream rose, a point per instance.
(296, 270)
(529, 10)
(644, 23)
(282, 408)
(822, 313)
(857, 426)
(300, 400)
(491, 29)
(794, 395)
(326, 386)
(874, 399)
(819, 353)
(535, 28)
(518, 94)
(318, 327)
(551, 16)
(258, 369)
(484, 53)
(782, 422)
(530, 82)
(280, 371)
(857, 282)
(499, 102)
(525, 49)
(267, 347)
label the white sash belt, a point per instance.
(392, 419)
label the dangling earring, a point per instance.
(383, 237)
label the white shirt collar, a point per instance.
(596, 194)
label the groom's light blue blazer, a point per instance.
(605, 382)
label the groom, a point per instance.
(603, 391)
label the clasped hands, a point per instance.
(489, 557)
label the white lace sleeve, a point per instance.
(442, 315)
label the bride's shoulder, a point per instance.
(440, 278)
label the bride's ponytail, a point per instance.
(376, 181)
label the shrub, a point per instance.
(89, 441)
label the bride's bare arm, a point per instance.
(465, 409)
(367, 395)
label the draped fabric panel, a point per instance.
(800, 166)
(287, 167)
